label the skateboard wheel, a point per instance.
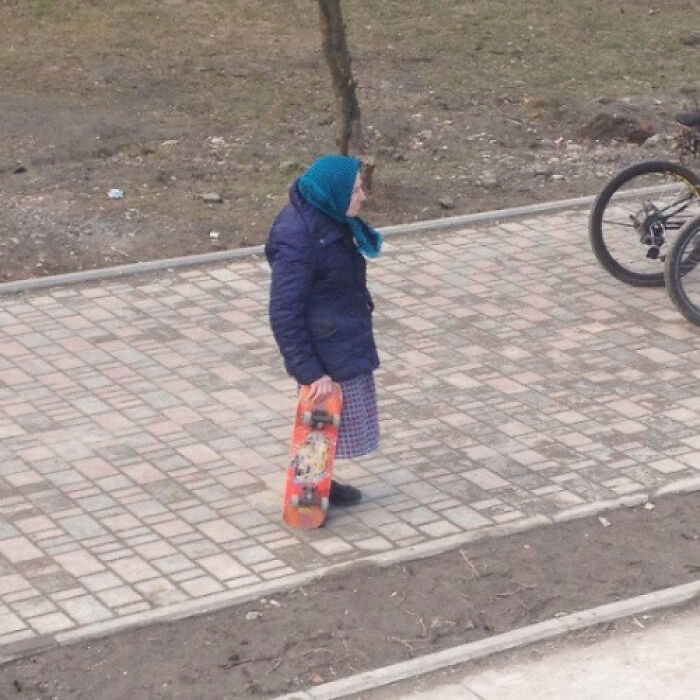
(336, 421)
(324, 503)
(306, 417)
(294, 501)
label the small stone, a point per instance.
(655, 141)
(488, 180)
(253, 615)
(289, 166)
(214, 235)
(446, 202)
(211, 197)
(542, 170)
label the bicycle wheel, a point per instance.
(637, 216)
(682, 271)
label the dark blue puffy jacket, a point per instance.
(320, 307)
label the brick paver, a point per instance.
(144, 422)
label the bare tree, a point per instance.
(335, 49)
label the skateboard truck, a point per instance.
(318, 418)
(309, 498)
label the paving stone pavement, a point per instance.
(145, 421)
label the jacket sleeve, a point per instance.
(292, 261)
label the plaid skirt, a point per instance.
(359, 423)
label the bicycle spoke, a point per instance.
(682, 205)
(618, 223)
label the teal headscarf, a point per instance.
(328, 185)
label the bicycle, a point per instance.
(681, 272)
(654, 200)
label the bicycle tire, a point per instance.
(600, 205)
(675, 274)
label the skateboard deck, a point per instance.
(311, 457)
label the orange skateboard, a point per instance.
(306, 496)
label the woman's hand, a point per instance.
(321, 389)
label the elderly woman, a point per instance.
(320, 307)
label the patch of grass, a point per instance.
(561, 50)
(44, 8)
(572, 50)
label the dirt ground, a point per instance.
(466, 107)
(369, 617)
(578, 641)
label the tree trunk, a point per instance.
(335, 49)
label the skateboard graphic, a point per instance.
(306, 495)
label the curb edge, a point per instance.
(523, 636)
(223, 256)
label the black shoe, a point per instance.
(344, 494)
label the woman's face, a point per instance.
(357, 199)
